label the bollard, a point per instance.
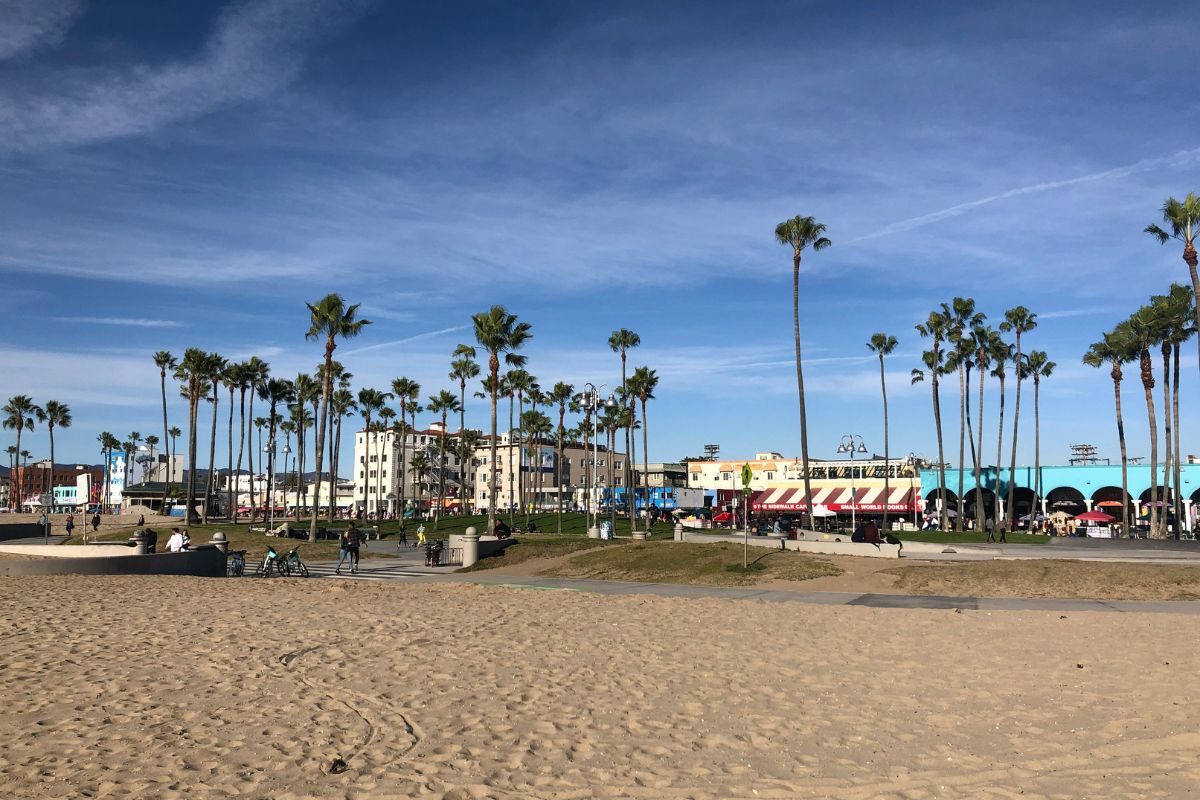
(140, 541)
(220, 542)
(470, 546)
(593, 532)
(679, 531)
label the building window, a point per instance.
(385, 456)
(371, 490)
(361, 474)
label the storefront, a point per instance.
(863, 497)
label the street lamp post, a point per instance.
(591, 402)
(853, 443)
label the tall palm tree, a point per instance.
(961, 319)
(276, 392)
(406, 391)
(164, 361)
(216, 373)
(500, 335)
(1018, 321)
(881, 344)
(622, 341)
(192, 373)
(983, 344)
(55, 415)
(462, 369)
(560, 395)
(521, 385)
(1113, 351)
(1178, 327)
(537, 426)
(108, 442)
(331, 319)
(443, 403)
(257, 373)
(260, 424)
(12, 474)
(174, 433)
(1142, 328)
(1039, 366)
(1182, 217)
(386, 426)
(337, 377)
(308, 391)
(935, 329)
(1002, 353)
(644, 382)
(19, 415)
(152, 442)
(343, 406)
(240, 378)
(800, 233)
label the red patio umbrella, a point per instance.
(1096, 516)
(1110, 504)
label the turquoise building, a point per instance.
(1073, 489)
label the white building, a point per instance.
(584, 473)
(384, 470)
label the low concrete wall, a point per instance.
(69, 550)
(20, 530)
(488, 545)
(205, 561)
(823, 546)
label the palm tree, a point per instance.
(406, 391)
(55, 414)
(560, 395)
(332, 319)
(1114, 351)
(1040, 366)
(420, 468)
(1178, 316)
(537, 426)
(444, 403)
(1002, 353)
(276, 392)
(800, 233)
(961, 318)
(935, 328)
(462, 369)
(521, 384)
(983, 344)
(644, 382)
(152, 442)
(174, 433)
(882, 344)
(308, 390)
(343, 406)
(499, 334)
(337, 376)
(386, 415)
(19, 414)
(622, 341)
(257, 373)
(164, 361)
(240, 377)
(1183, 219)
(1018, 320)
(260, 423)
(506, 388)
(192, 372)
(1142, 330)
(216, 373)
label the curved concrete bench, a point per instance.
(205, 561)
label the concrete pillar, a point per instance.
(139, 540)
(470, 546)
(594, 532)
(639, 536)
(220, 542)
(1088, 503)
(679, 531)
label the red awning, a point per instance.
(839, 498)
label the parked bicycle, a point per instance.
(235, 563)
(270, 564)
(292, 565)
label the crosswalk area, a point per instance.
(370, 572)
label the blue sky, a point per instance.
(188, 174)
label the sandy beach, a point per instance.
(173, 688)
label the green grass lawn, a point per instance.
(716, 564)
(966, 537)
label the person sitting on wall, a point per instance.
(151, 540)
(176, 543)
(860, 533)
(502, 530)
(532, 526)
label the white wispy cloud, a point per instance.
(1066, 313)
(1181, 158)
(132, 322)
(256, 48)
(405, 340)
(26, 25)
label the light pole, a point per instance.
(848, 445)
(591, 402)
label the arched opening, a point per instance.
(983, 497)
(1024, 504)
(1162, 501)
(931, 501)
(1108, 499)
(1066, 499)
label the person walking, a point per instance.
(990, 527)
(350, 545)
(96, 522)
(403, 540)
(70, 524)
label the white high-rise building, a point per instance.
(386, 480)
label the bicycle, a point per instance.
(291, 563)
(235, 564)
(270, 563)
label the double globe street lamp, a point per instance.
(592, 404)
(852, 443)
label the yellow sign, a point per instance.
(747, 476)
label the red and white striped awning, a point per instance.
(838, 498)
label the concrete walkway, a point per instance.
(626, 588)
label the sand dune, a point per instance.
(172, 688)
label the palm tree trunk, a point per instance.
(943, 511)
(441, 473)
(230, 511)
(646, 462)
(326, 389)
(1037, 440)
(1012, 456)
(404, 459)
(193, 421)
(999, 457)
(248, 432)
(494, 381)
(887, 486)
(800, 388)
(1124, 453)
(241, 449)
(630, 460)
(1184, 524)
(212, 453)
(1189, 257)
(166, 435)
(333, 422)
(962, 445)
(558, 468)
(977, 457)
(511, 478)
(50, 489)
(1166, 355)
(1152, 419)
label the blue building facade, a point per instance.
(1071, 488)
